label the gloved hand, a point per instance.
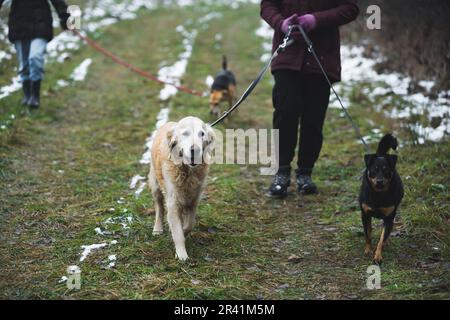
(288, 22)
(308, 22)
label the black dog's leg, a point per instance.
(388, 225)
(367, 225)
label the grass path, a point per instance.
(64, 168)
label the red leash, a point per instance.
(135, 69)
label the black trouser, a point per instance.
(300, 98)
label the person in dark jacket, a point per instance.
(301, 93)
(30, 29)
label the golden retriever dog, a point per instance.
(181, 153)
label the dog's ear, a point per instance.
(210, 136)
(208, 145)
(392, 159)
(171, 140)
(368, 158)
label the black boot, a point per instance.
(305, 184)
(26, 87)
(280, 184)
(35, 94)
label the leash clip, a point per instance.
(285, 43)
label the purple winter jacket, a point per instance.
(329, 14)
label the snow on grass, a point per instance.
(95, 15)
(161, 119)
(88, 249)
(209, 80)
(139, 190)
(99, 231)
(135, 180)
(357, 68)
(62, 83)
(5, 55)
(80, 72)
(203, 21)
(112, 261)
(174, 72)
(13, 87)
(124, 220)
(266, 33)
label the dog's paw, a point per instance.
(181, 256)
(157, 232)
(378, 259)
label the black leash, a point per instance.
(347, 114)
(287, 41)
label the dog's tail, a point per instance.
(387, 142)
(224, 62)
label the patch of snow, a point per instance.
(139, 190)
(13, 87)
(124, 221)
(210, 16)
(80, 72)
(209, 81)
(62, 83)
(161, 119)
(87, 249)
(5, 55)
(173, 73)
(427, 84)
(357, 68)
(112, 261)
(96, 14)
(135, 180)
(99, 231)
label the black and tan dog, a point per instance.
(381, 193)
(222, 89)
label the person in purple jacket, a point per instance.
(301, 93)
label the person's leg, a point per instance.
(23, 51)
(316, 95)
(36, 60)
(287, 104)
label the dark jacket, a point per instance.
(29, 19)
(329, 14)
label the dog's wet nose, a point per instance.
(194, 151)
(195, 155)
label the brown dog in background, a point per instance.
(222, 89)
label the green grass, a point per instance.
(94, 132)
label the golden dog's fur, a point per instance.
(177, 184)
